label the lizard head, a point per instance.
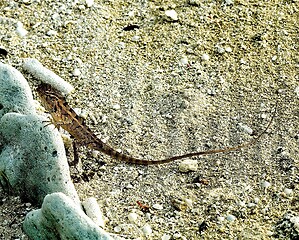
(49, 95)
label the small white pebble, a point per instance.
(129, 186)
(148, 216)
(288, 191)
(177, 235)
(21, 31)
(297, 91)
(189, 202)
(188, 165)
(121, 44)
(131, 14)
(228, 49)
(165, 237)
(147, 230)
(246, 128)
(172, 14)
(251, 205)
(274, 58)
(184, 61)
(93, 211)
(270, 233)
(55, 16)
(132, 217)
(242, 204)
(158, 206)
(265, 184)
(84, 114)
(135, 38)
(76, 72)
(117, 229)
(104, 118)
(242, 61)
(95, 153)
(220, 219)
(78, 111)
(89, 3)
(230, 217)
(51, 33)
(295, 221)
(256, 200)
(220, 49)
(205, 57)
(229, 2)
(116, 106)
(81, 7)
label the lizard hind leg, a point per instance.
(49, 122)
(55, 123)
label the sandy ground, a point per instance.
(157, 87)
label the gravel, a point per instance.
(167, 87)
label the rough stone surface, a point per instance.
(15, 93)
(32, 155)
(60, 218)
(42, 73)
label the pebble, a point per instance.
(95, 153)
(51, 33)
(246, 128)
(297, 91)
(230, 217)
(184, 61)
(93, 211)
(117, 229)
(148, 216)
(256, 200)
(104, 118)
(265, 184)
(158, 206)
(131, 14)
(116, 106)
(76, 72)
(205, 57)
(295, 221)
(89, 3)
(228, 49)
(21, 31)
(172, 14)
(132, 217)
(229, 2)
(220, 219)
(147, 230)
(177, 235)
(188, 165)
(220, 49)
(251, 205)
(189, 202)
(78, 111)
(45, 75)
(165, 237)
(243, 61)
(135, 38)
(288, 191)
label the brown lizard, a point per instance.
(63, 115)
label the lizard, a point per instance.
(63, 115)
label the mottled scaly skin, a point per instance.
(64, 116)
